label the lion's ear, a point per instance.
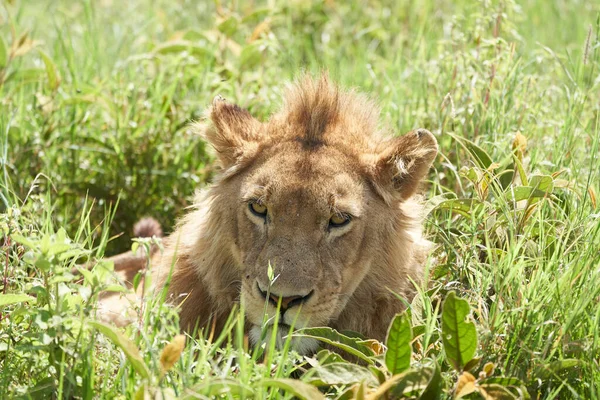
(233, 132)
(401, 164)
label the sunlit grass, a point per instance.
(95, 100)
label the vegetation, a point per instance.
(95, 100)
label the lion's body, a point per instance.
(337, 217)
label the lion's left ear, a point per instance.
(233, 132)
(401, 164)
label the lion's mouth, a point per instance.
(264, 335)
(284, 302)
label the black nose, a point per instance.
(287, 301)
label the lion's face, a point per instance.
(311, 194)
(307, 214)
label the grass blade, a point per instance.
(131, 351)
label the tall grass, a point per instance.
(95, 100)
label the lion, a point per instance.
(317, 195)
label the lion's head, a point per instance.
(317, 193)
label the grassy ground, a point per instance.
(95, 98)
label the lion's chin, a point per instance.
(304, 346)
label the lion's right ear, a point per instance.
(232, 131)
(401, 163)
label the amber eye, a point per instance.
(339, 220)
(258, 209)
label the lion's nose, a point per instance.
(286, 301)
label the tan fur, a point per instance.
(320, 155)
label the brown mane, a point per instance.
(320, 112)
(320, 156)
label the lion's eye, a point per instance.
(258, 209)
(339, 220)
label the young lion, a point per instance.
(318, 193)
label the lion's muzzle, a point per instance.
(287, 301)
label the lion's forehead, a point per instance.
(323, 177)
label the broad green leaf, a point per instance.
(44, 244)
(465, 207)
(434, 384)
(418, 330)
(338, 373)
(506, 177)
(473, 174)
(24, 241)
(41, 294)
(513, 383)
(295, 387)
(399, 351)
(434, 202)
(3, 53)
(51, 71)
(136, 280)
(130, 350)
(388, 385)
(73, 252)
(481, 158)
(43, 263)
(14, 298)
(378, 373)
(327, 357)
(103, 270)
(334, 338)
(87, 274)
(458, 336)
(496, 392)
(353, 334)
(250, 56)
(545, 183)
(58, 248)
(520, 193)
(478, 154)
(472, 364)
(229, 26)
(423, 383)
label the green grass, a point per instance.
(95, 99)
